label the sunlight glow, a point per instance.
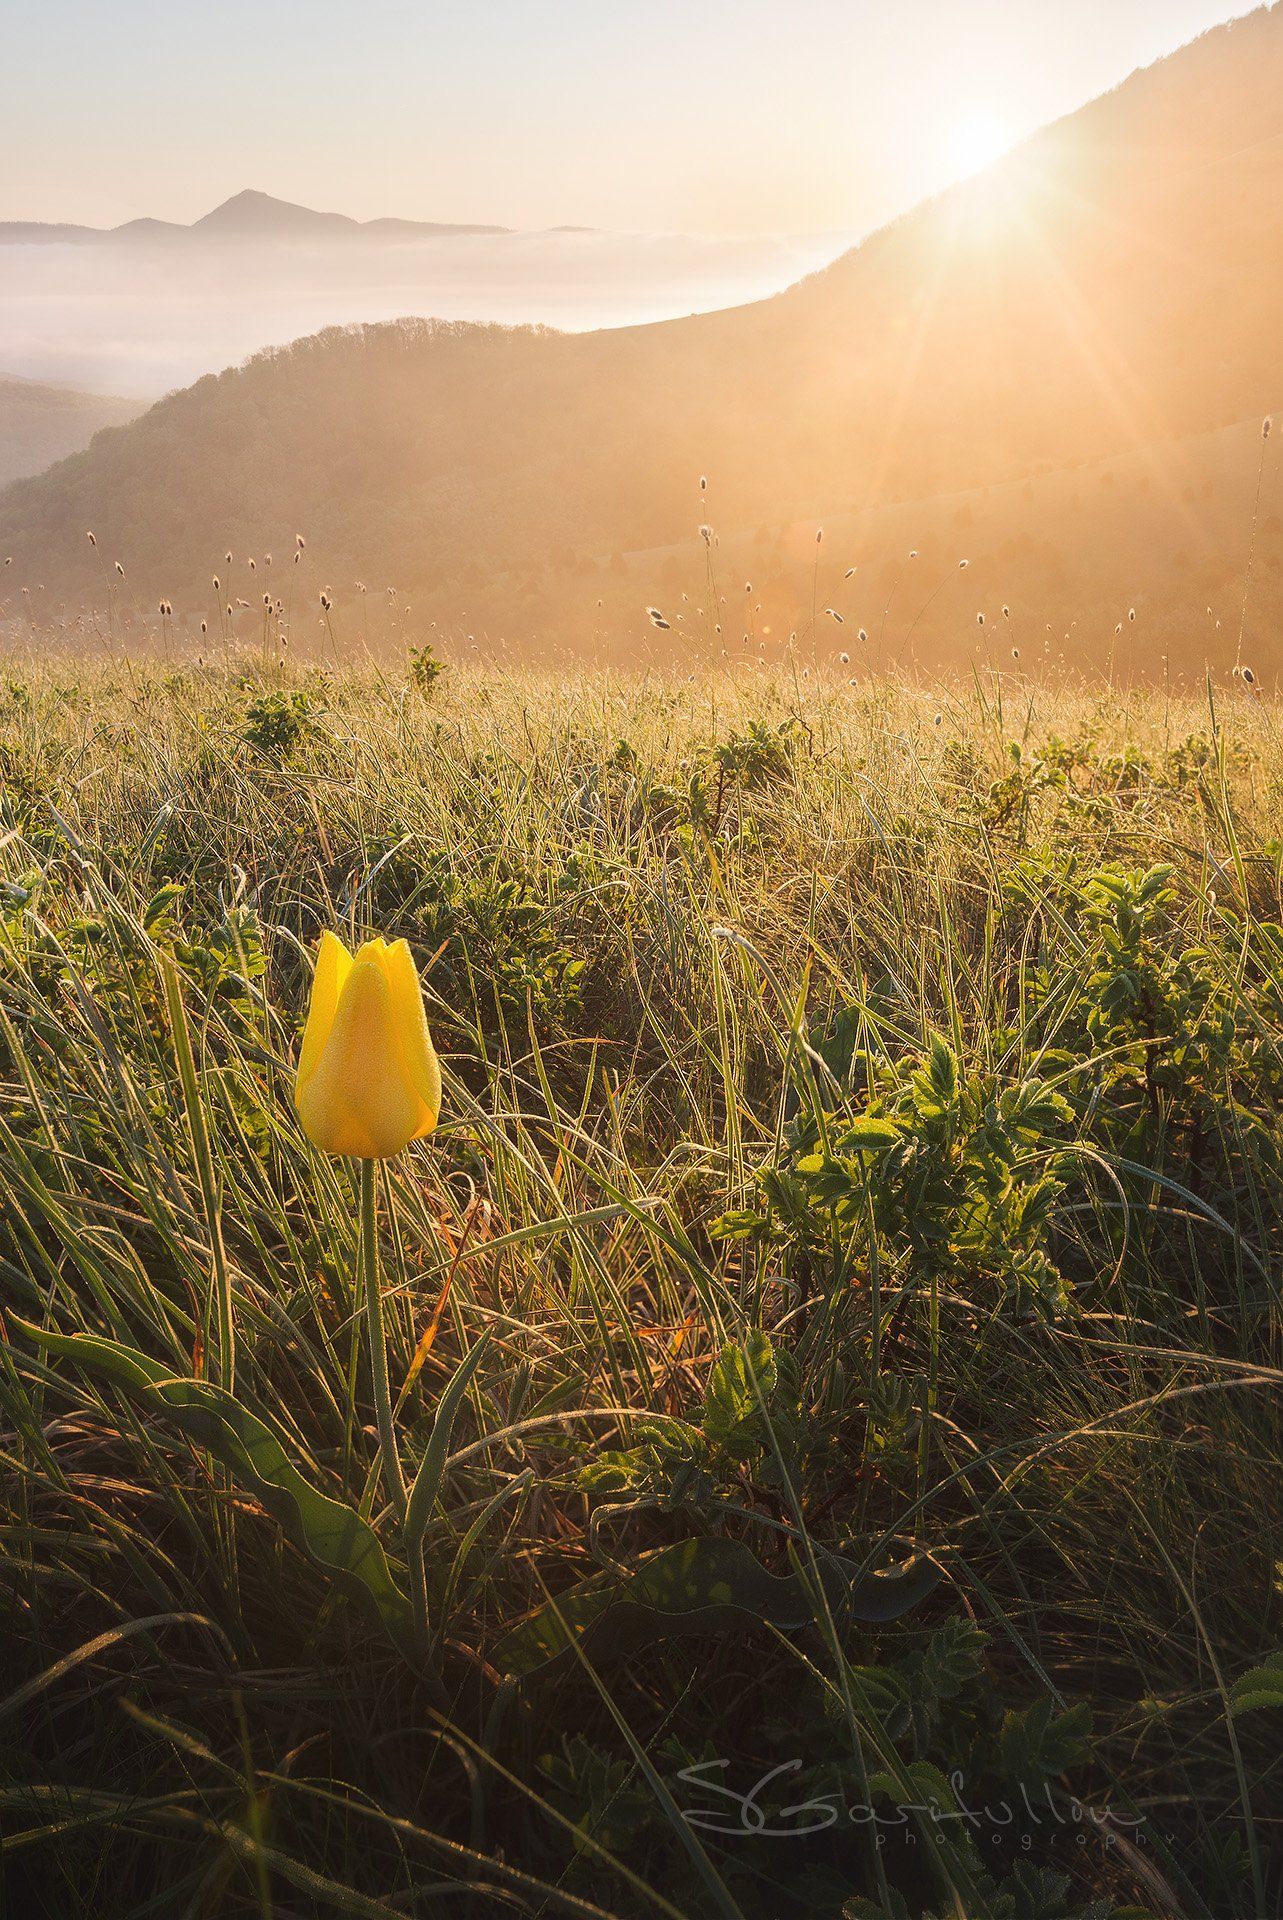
(976, 142)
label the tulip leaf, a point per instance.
(427, 1481)
(106, 1359)
(334, 1535)
(701, 1586)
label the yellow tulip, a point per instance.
(368, 1080)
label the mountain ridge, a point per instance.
(1106, 297)
(247, 215)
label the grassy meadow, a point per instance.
(833, 1333)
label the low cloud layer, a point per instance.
(142, 319)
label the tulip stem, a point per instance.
(392, 1475)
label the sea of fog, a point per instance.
(140, 319)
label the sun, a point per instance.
(976, 142)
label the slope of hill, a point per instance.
(1113, 291)
(41, 424)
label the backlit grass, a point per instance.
(860, 1157)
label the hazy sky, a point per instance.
(699, 115)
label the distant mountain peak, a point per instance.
(249, 216)
(251, 211)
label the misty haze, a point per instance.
(151, 308)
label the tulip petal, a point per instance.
(359, 1099)
(412, 1027)
(333, 964)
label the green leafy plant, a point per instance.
(946, 1173)
(424, 668)
(278, 723)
